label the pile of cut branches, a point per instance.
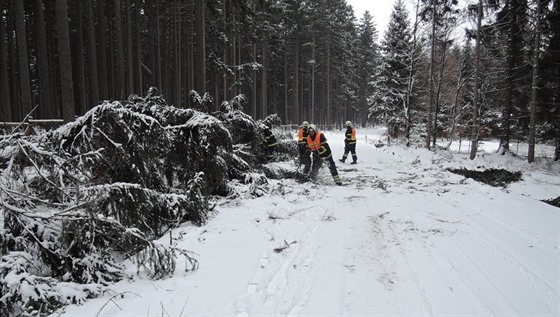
(110, 183)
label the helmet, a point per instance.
(263, 126)
(348, 123)
(304, 124)
(312, 127)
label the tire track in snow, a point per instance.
(282, 282)
(506, 259)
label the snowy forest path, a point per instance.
(404, 237)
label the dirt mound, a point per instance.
(492, 177)
(554, 202)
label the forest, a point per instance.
(443, 69)
(196, 78)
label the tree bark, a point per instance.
(129, 50)
(46, 107)
(200, 52)
(512, 54)
(429, 129)
(474, 137)
(65, 61)
(23, 60)
(78, 60)
(534, 90)
(296, 112)
(5, 96)
(102, 51)
(92, 56)
(264, 81)
(119, 63)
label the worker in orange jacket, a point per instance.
(317, 144)
(304, 153)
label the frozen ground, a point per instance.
(404, 237)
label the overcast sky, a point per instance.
(379, 9)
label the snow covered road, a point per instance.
(404, 237)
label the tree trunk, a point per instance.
(119, 63)
(429, 130)
(264, 81)
(137, 49)
(286, 88)
(46, 105)
(92, 56)
(328, 103)
(23, 61)
(5, 96)
(102, 52)
(78, 60)
(152, 14)
(534, 90)
(474, 137)
(200, 52)
(65, 61)
(130, 89)
(159, 77)
(312, 110)
(254, 83)
(410, 83)
(296, 111)
(510, 80)
(178, 55)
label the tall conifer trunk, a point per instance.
(23, 61)
(65, 61)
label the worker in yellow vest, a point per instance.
(350, 143)
(317, 144)
(269, 141)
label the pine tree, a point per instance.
(367, 63)
(396, 69)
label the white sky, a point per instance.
(403, 237)
(379, 9)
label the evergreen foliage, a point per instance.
(111, 183)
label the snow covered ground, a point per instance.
(404, 237)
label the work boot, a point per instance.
(354, 162)
(341, 160)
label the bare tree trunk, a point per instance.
(313, 65)
(137, 54)
(102, 51)
(286, 88)
(178, 55)
(254, 83)
(328, 105)
(78, 60)
(264, 81)
(159, 76)
(200, 56)
(23, 61)
(65, 61)
(92, 56)
(474, 136)
(229, 51)
(410, 83)
(5, 96)
(296, 112)
(121, 78)
(129, 50)
(43, 63)
(429, 129)
(510, 80)
(534, 90)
